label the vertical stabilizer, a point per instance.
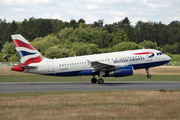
(26, 52)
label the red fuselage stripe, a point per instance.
(143, 53)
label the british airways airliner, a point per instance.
(115, 64)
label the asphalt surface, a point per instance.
(85, 86)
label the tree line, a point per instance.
(56, 39)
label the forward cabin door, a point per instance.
(50, 66)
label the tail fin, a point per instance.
(26, 52)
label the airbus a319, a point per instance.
(115, 64)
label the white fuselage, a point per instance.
(72, 66)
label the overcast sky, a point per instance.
(111, 11)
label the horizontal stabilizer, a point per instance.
(29, 67)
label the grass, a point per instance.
(87, 105)
(39, 78)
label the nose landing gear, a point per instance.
(148, 75)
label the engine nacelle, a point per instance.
(122, 71)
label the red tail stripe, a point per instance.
(19, 43)
(142, 53)
(34, 60)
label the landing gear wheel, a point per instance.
(100, 81)
(149, 76)
(93, 80)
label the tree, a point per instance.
(120, 36)
(150, 45)
(125, 21)
(98, 24)
(10, 30)
(81, 21)
(2, 59)
(125, 46)
(73, 24)
(105, 39)
(173, 49)
(14, 58)
(64, 34)
(82, 50)
(8, 50)
(55, 52)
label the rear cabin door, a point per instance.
(50, 66)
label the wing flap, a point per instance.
(98, 66)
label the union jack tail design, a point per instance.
(26, 52)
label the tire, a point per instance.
(93, 80)
(100, 81)
(148, 76)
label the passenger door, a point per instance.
(50, 66)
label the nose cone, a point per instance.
(167, 58)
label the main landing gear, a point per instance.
(94, 80)
(148, 75)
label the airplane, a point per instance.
(114, 64)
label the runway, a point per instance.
(85, 86)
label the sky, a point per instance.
(110, 11)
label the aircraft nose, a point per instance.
(167, 58)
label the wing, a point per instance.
(98, 66)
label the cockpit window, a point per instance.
(159, 53)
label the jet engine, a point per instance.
(122, 71)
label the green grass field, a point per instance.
(39, 78)
(91, 105)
